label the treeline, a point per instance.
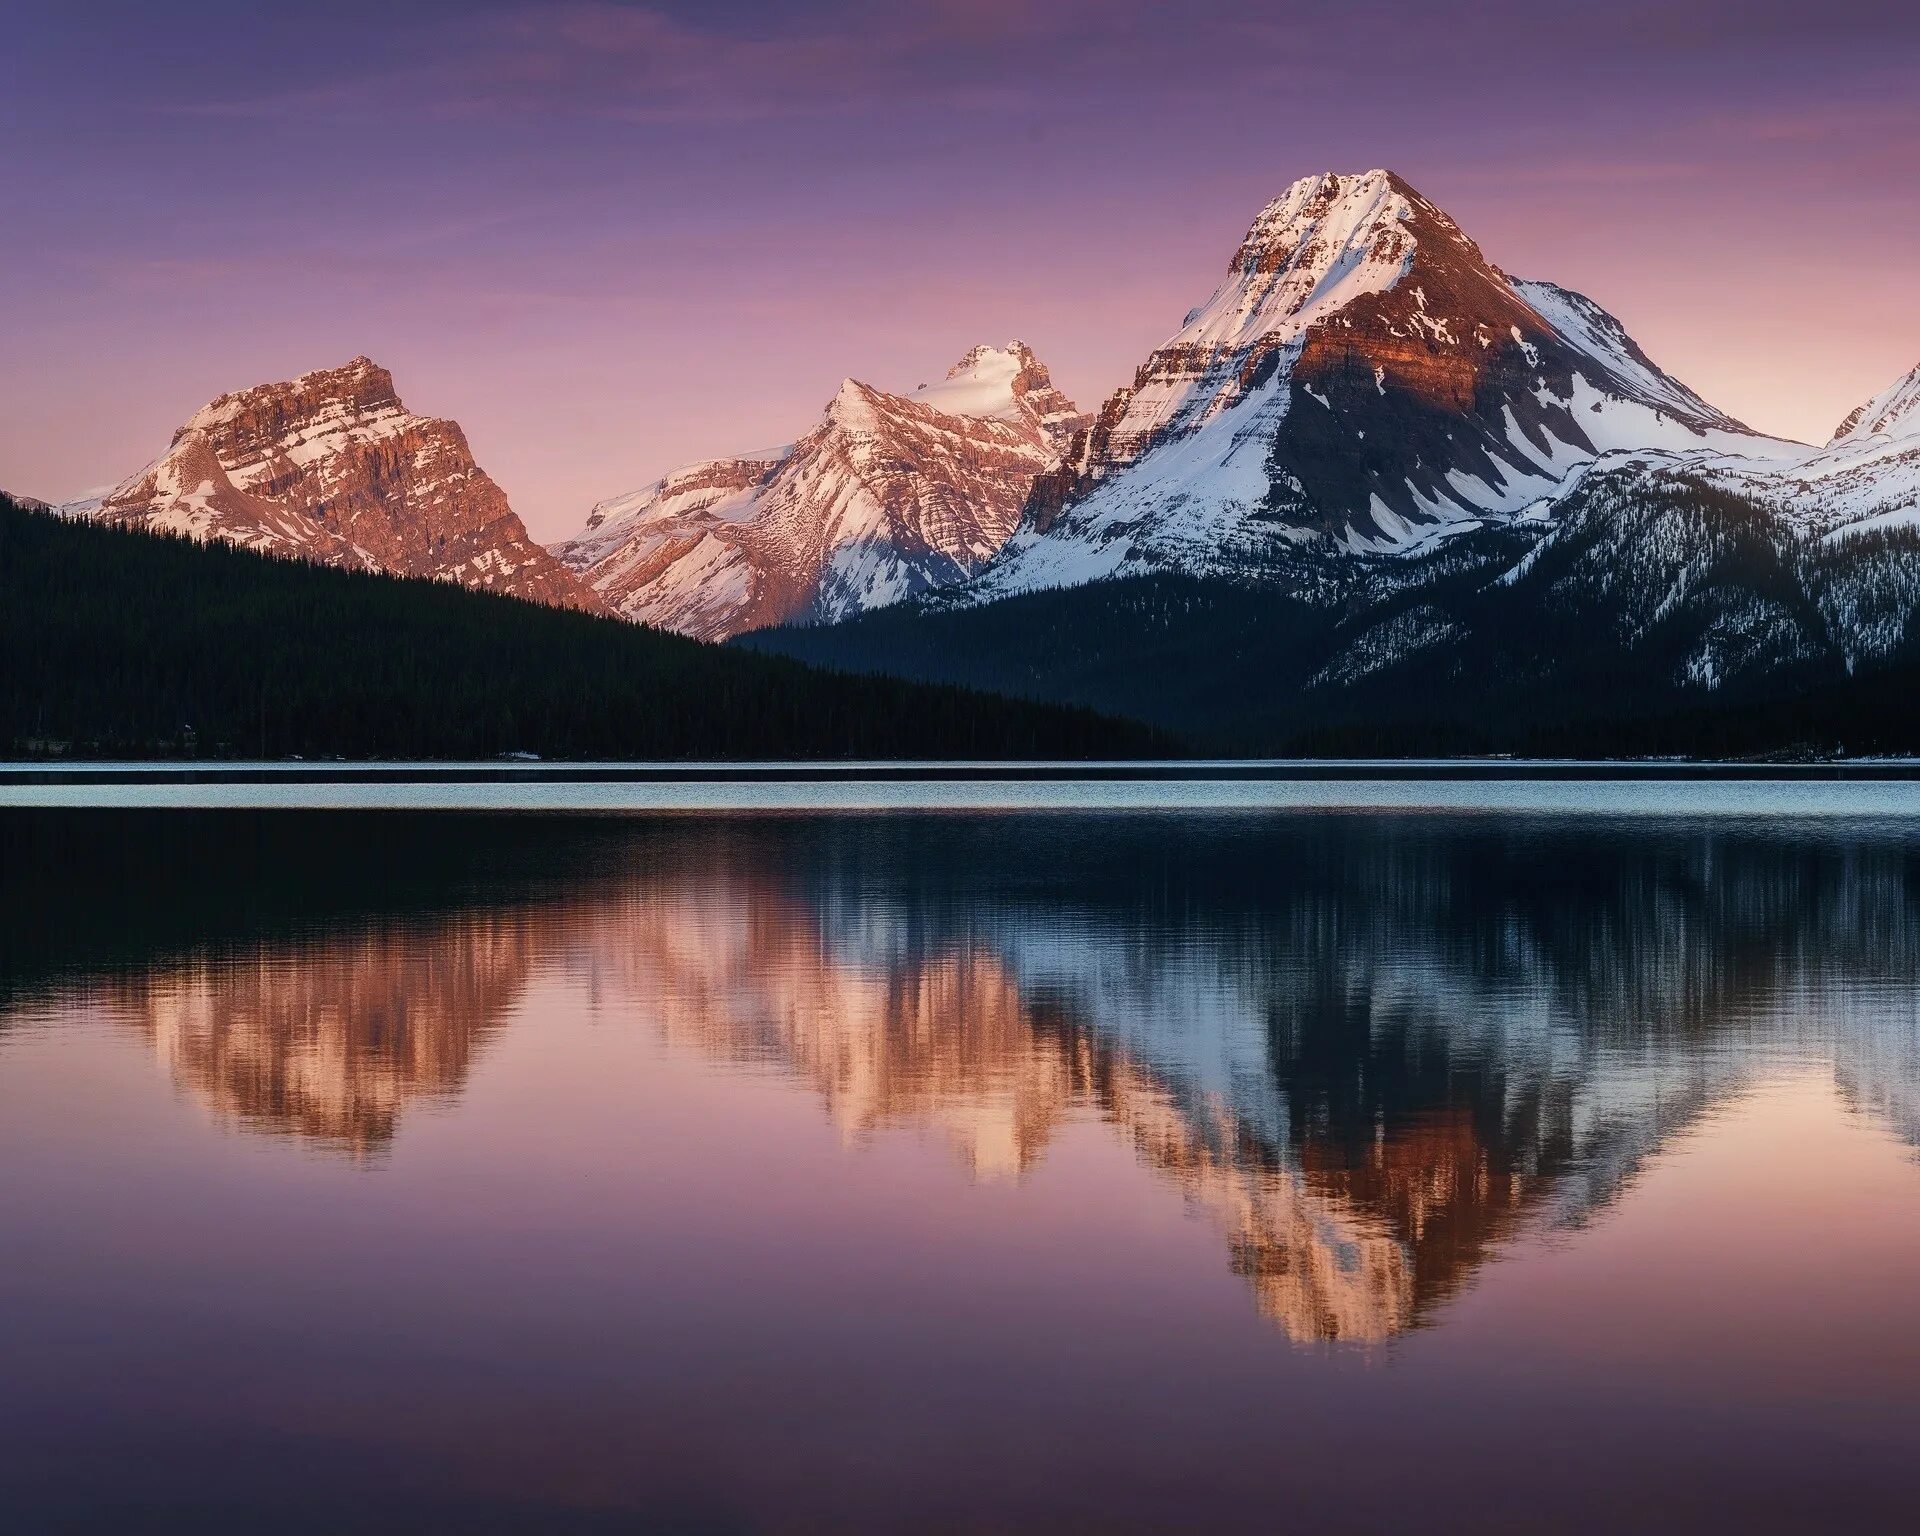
(119, 643)
(1580, 662)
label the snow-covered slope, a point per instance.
(887, 496)
(1661, 600)
(1363, 376)
(1891, 416)
(332, 467)
(1866, 477)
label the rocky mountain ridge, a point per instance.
(331, 467)
(887, 496)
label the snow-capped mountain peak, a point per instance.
(887, 495)
(853, 406)
(1894, 412)
(1006, 384)
(1363, 376)
(1315, 248)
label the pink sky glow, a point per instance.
(609, 238)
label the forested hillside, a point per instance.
(1656, 615)
(119, 643)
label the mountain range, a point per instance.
(1376, 495)
(1396, 482)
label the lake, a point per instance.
(1466, 1160)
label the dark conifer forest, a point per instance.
(125, 644)
(1660, 617)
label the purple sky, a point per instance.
(608, 238)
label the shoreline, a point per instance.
(1175, 771)
(1886, 790)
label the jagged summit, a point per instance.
(998, 366)
(1007, 383)
(355, 403)
(1894, 412)
(985, 356)
(359, 386)
(330, 466)
(1326, 227)
(1363, 376)
(886, 496)
(852, 405)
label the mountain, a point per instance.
(1661, 602)
(121, 644)
(1377, 495)
(887, 496)
(1364, 379)
(1866, 477)
(331, 467)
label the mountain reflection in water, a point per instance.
(1371, 1050)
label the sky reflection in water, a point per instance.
(1005, 1171)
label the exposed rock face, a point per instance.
(332, 467)
(887, 496)
(1892, 414)
(1363, 376)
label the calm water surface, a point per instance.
(1239, 1171)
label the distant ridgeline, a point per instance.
(1657, 614)
(126, 644)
